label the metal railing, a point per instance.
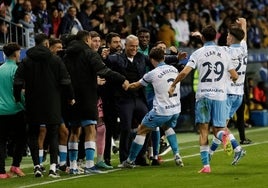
(13, 32)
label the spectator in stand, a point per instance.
(183, 29)
(264, 72)
(17, 10)
(264, 77)
(166, 33)
(194, 25)
(149, 21)
(123, 21)
(112, 22)
(64, 6)
(84, 16)
(259, 96)
(55, 22)
(28, 25)
(255, 35)
(27, 8)
(43, 19)
(70, 23)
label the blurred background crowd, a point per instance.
(171, 21)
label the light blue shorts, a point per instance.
(207, 110)
(83, 123)
(233, 103)
(152, 120)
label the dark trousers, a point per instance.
(12, 127)
(240, 123)
(52, 137)
(129, 109)
(112, 130)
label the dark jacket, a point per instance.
(120, 63)
(84, 65)
(44, 75)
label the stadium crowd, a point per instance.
(82, 31)
(171, 21)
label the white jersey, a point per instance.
(213, 64)
(161, 78)
(239, 56)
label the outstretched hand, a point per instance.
(125, 85)
(171, 91)
(100, 81)
(71, 102)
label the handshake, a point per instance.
(125, 85)
(135, 85)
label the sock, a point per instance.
(41, 156)
(215, 143)
(220, 134)
(204, 154)
(135, 148)
(155, 141)
(53, 167)
(234, 143)
(62, 154)
(73, 154)
(113, 144)
(90, 151)
(172, 140)
(150, 151)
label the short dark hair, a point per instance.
(109, 37)
(157, 54)
(10, 48)
(53, 41)
(237, 32)
(40, 38)
(66, 39)
(143, 30)
(209, 33)
(82, 35)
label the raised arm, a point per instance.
(242, 22)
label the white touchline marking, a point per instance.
(166, 160)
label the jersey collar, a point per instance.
(161, 64)
(210, 43)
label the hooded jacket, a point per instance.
(43, 75)
(84, 65)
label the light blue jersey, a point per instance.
(161, 78)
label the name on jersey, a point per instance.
(163, 73)
(237, 84)
(171, 106)
(209, 53)
(212, 90)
